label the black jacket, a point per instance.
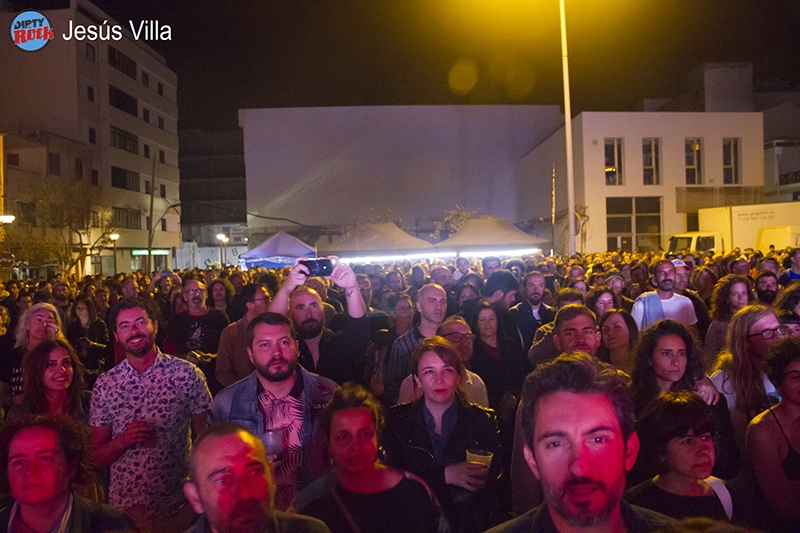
(87, 517)
(527, 324)
(408, 447)
(342, 355)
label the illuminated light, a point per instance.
(520, 82)
(697, 147)
(611, 169)
(7, 219)
(220, 236)
(463, 76)
(114, 236)
(438, 255)
(152, 252)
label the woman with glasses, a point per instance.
(739, 371)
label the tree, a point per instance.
(454, 220)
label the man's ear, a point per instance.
(498, 295)
(531, 460)
(190, 490)
(631, 451)
(557, 342)
(250, 355)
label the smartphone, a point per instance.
(318, 267)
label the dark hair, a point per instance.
(502, 280)
(352, 396)
(34, 365)
(779, 356)
(91, 308)
(671, 415)
(487, 259)
(271, 319)
(569, 312)
(569, 295)
(229, 290)
(633, 332)
(789, 297)
(250, 291)
(142, 302)
(577, 373)
(657, 262)
(476, 311)
(441, 347)
(74, 440)
(645, 386)
(721, 297)
(531, 274)
(595, 293)
(765, 274)
(394, 299)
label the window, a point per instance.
(651, 162)
(124, 140)
(692, 222)
(161, 156)
(163, 190)
(95, 178)
(147, 151)
(147, 186)
(90, 93)
(633, 223)
(124, 179)
(54, 163)
(147, 226)
(126, 218)
(12, 160)
(730, 161)
(161, 123)
(26, 213)
(694, 169)
(78, 168)
(123, 101)
(163, 224)
(613, 152)
(90, 53)
(95, 219)
(145, 79)
(92, 136)
(121, 62)
(146, 115)
(160, 88)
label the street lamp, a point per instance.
(114, 237)
(567, 130)
(223, 240)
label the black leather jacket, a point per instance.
(408, 447)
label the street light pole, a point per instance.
(114, 237)
(222, 238)
(568, 130)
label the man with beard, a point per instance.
(682, 274)
(766, 287)
(339, 356)
(580, 455)
(531, 314)
(141, 411)
(662, 303)
(231, 484)
(280, 395)
(61, 294)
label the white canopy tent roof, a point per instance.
(495, 235)
(370, 240)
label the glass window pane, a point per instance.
(648, 204)
(648, 242)
(618, 225)
(648, 224)
(619, 206)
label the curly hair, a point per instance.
(721, 297)
(74, 440)
(229, 290)
(34, 365)
(595, 293)
(789, 298)
(645, 387)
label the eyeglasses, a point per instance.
(459, 337)
(769, 334)
(195, 291)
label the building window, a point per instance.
(613, 152)
(12, 160)
(163, 189)
(95, 219)
(147, 151)
(161, 156)
(95, 178)
(78, 168)
(90, 53)
(633, 223)
(123, 101)
(694, 170)
(146, 79)
(92, 136)
(147, 224)
(147, 186)
(26, 213)
(163, 224)
(90, 93)
(146, 115)
(124, 179)
(121, 62)
(124, 140)
(693, 222)
(160, 88)
(161, 123)
(126, 218)
(54, 163)
(730, 161)
(651, 161)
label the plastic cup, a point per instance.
(480, 457)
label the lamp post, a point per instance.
(114, 237)
(567, 130)
(222, 238)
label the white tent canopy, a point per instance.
(280, 249)
(374, 239)
(490, 234)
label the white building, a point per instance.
(118, 99)
(641, 176)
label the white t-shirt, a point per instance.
(678, 308)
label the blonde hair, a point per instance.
(22, 334)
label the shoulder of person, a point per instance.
(477, 413)
(294, 523)
(100, 517)
(319, 387)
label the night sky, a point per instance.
(298, 53)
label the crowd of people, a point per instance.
(601, 392)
